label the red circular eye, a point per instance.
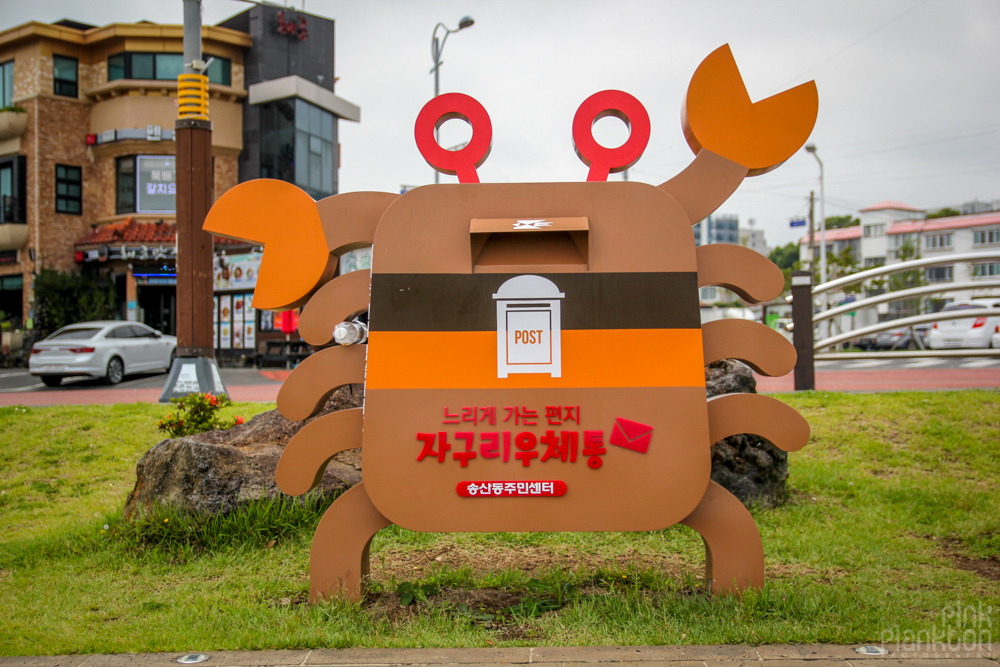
(464, 161)
(600, 159)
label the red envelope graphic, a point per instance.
(631, 435)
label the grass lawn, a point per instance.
(894, 523)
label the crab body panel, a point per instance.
(534, 359)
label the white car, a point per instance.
(106, 349)
(967, 332)
(995, 338)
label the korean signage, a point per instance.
(156, 188)
(236, 272)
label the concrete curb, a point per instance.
(819, 655)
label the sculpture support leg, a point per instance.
(338, 561)
(734, 554)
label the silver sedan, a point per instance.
(105, 349)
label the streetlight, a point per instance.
(437, 47)
(811, 148)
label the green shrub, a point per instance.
(197, 413)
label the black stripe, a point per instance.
(464, 302)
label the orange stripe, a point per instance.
(590, 358)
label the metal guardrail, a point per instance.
(935, 288)
(860, 277)
(905, 322)
(907, 354)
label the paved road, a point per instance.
(250, 384)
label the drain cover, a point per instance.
(871, 650)
(192, 658)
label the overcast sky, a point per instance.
(909, 89)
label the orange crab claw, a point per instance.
(285, 220)
(719, 116)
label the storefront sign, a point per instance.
(236, 272)
(156, 189)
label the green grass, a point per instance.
(891, 490)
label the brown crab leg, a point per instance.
(349, 219)
(760, 347)
(734, 554)
(767, 417)
(338, 561)
(705, 184)
(750, 274)
(338, 300)
(304, 460)
(307, 389)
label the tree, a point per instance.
(786, 258)
(945, 212)
(65, 298)
(906, 280)
(841, 221)
(841, 264)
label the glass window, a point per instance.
(125, 184)
(169, 66)
(141, 66)
(940, 274)
(6, 193)
(116, 67)
(277, 140)
(986, 236)
(7, 84)
(872, 231)
(988, 270)
(220, 71)
(937, 241)
(69, 189)
(64, 76)
(78, 333)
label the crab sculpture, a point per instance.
(535, 357)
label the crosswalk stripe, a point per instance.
(869, 363)
(825, 362)
(981, 363)
(923, 363)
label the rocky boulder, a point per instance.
(748, 466)
(217, 471)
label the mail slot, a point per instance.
(529, 325)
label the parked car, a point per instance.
(105, 349)
(966, 332)
(902, 339)
(995, 338)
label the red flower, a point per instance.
(212, 400)
(239, 420)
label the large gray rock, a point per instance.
(748, 466)
(217, 471)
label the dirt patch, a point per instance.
(533, 561)
(984, 567)
(951, 548)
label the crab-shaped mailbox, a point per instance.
(535, 359)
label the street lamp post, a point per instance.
(811, 148)
(437, 47)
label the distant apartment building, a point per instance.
(725, 228)
(87, 151)
(891, 232)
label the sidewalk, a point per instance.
(822, 655)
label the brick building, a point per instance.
(86, 145)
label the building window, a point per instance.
(125, 185)
(708, 293)
(13, 189)
(986, 236)
(938, 241)
(297, 143)
(69, 189)
(7, 84)
(987, 270)
(64, 76)
(940, 274)
(871, 231)
(163, 67)
(873, 262)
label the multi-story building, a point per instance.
(87, 150)
(892, 232)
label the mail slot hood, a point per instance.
(509, 244)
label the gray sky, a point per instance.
(909, 89)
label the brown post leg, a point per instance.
(734, 554)
(338, 562)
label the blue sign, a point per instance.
(797, 222)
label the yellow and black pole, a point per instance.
(194, 370)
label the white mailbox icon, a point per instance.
(529, 326)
